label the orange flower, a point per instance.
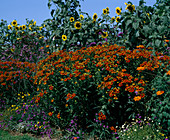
(41, 94)
(137, 98)
(167, 41)
(115, 98)
(3, 84)
(52, 100)
(58, 116)
(140, 46)
(50, 113)
(112, 128)
(51, 87)
(168, 73)
(140, 68)
(159, 92)
(47, 46)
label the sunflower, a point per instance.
(77, 25)
(107, 10)
(71, 19)
(34, 23)
(14, 23)
(125, 3)
(9, 27)
(118, 10)
(113, 18)
(64, 37)
(81, 17)
(104, 11)
(94, 16)
(104, 35)
(40, 28)
(16, 28)
(130, 7)
(117, 19)
(23, 27)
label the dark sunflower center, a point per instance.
(95, 16)
(78, 25)
(14, 22)
(118, 11)
(130, 8)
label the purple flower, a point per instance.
(106, 39)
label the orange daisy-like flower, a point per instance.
(51, 87)
(140, 46)
(58, 116)
(140, 68)
(50, 113)
(167, 41)
(137, 98)
(112, 128)
(168, 73)
(159, 92)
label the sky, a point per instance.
(38, 9)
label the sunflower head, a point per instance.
(77, 25)
(118, 10)
(104, 11)
(9, 27)
(34, 23)
(40, 28)
(107, 10)
(130, 7)
(81, 17)
(117, 19)
(14, 23)
(71, 19)
(23, 27)
(94, 16)
(113, 18)
(64, 37)
(104, 35)
(16, 28)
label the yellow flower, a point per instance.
(9, 27)
(94, 16)
(148, 14)
(64, 37)
(77, 25)
(71, 19)
(104, 11)
(23, 27)
(16, 28)
(40, 28)
(34, 23)
(125, 3)
(14, 23)
(118, 10)
(117, 19)
(107, 10)
(113, 18)
(81, 17)
(104, 35)
(130, 7)
(30, 28)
